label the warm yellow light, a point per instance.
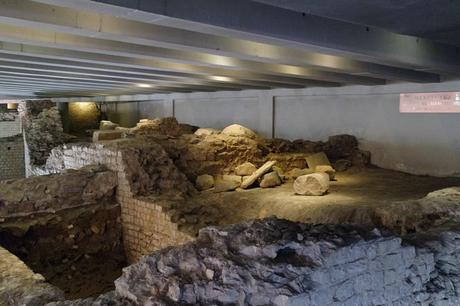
(144, 85)
(12, 106)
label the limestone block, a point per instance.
(245, 169)
(204, 182)
(315, 184)
(257, 174)
(326, 169)
(271, 179)
(106, 135)
(239, 130)
(317, 159)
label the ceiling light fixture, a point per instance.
(144, 85)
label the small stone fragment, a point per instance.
(315, 184)
(204, 182)
(245, 169)
(271, 179)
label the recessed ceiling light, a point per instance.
(144, 85)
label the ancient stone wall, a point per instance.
(146, 227)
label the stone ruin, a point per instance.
(142, 200)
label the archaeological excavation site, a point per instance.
(231, 152)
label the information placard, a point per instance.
(435, 102)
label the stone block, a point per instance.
(317, 159)
(106, 135)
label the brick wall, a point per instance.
(146, 228)
(10, 125)
(11, 147)
(11, 157)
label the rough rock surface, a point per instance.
(245, 169)
(315, 184)
(21, 286)
(239, 131)
(271, 179)
(437, 208)
(150, 171)
(277, 262)
(89, 185)
(204, 182)
(257, 174)
(288, 161)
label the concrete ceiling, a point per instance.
(62, 48)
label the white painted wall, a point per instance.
(414, 143)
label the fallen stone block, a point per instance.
(271, 179)
(326, 169)
(315, 184)
(106, 135)
(317, 159)
(257, 174)
(204, 182)
(245, 169)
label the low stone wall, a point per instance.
(146, 228)
(90, 185)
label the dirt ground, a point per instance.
(351, 199)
